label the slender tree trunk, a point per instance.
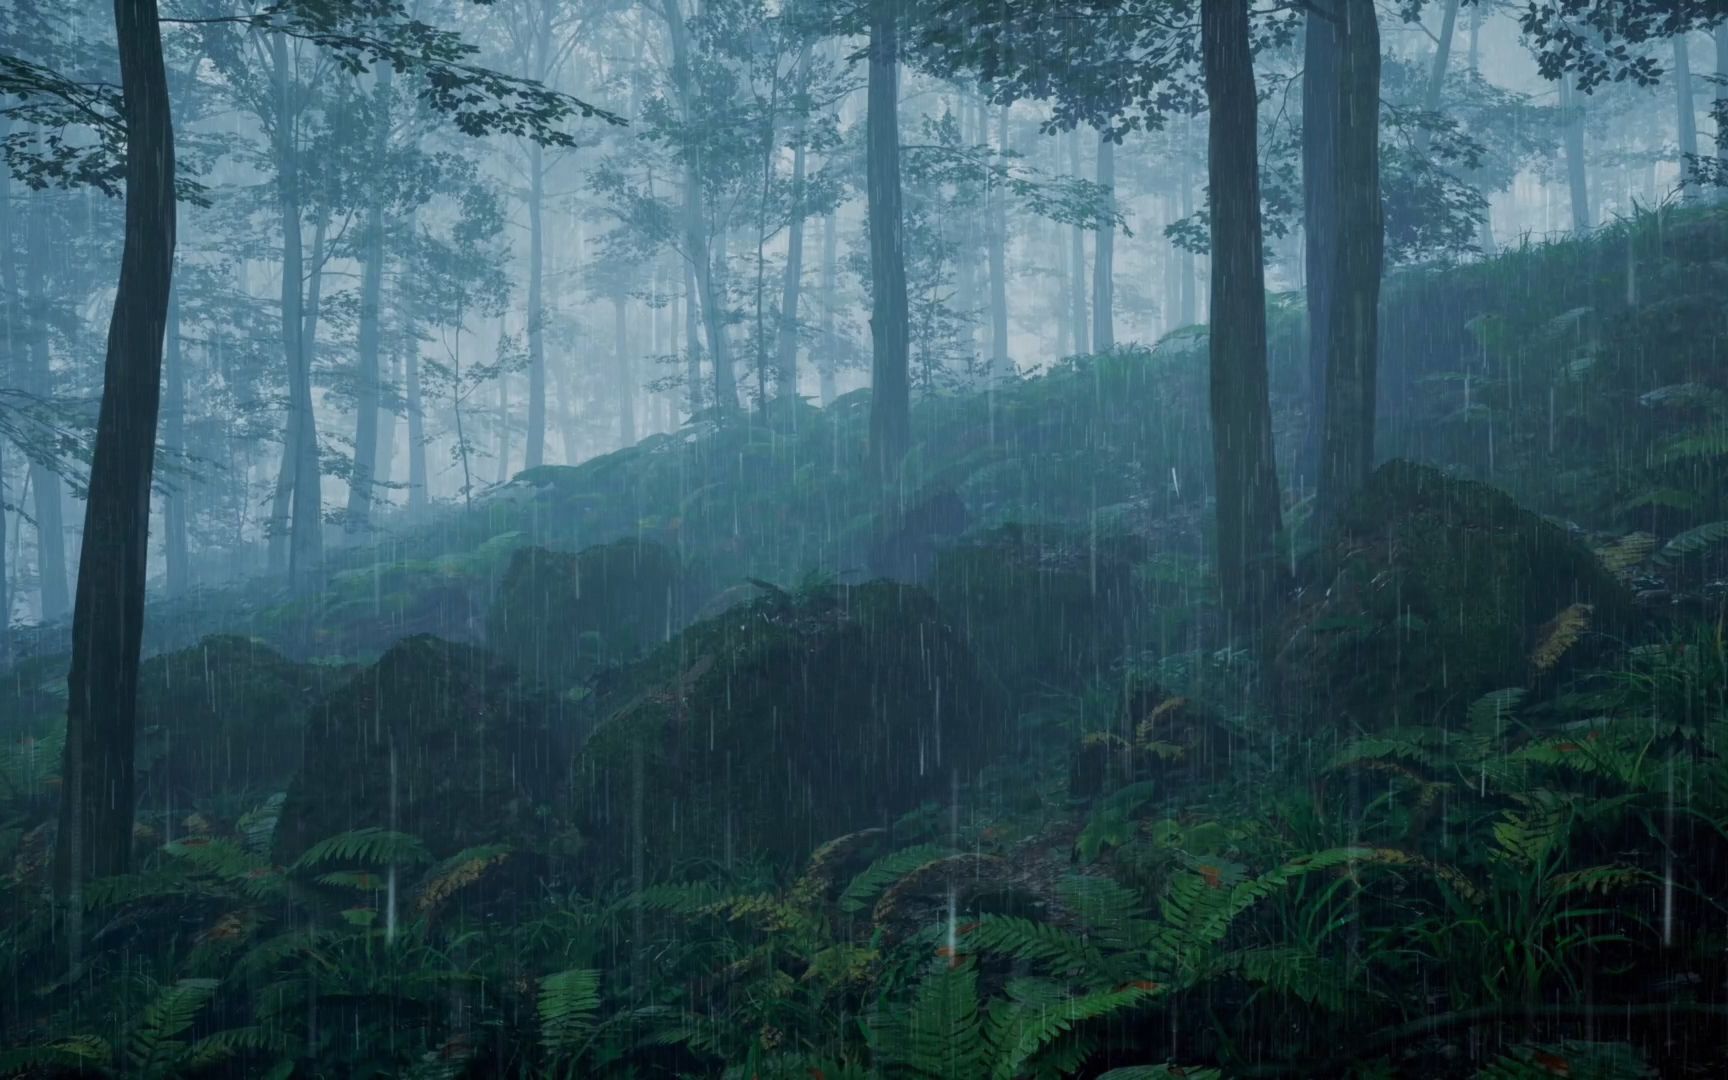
(1347, 445)
(1686, 114)
(890, 405)
(357, 520)
(306, 530)
(1431, 97)
(385, 461)
(54, 592)
(534, 452)
(625, 378)
(8, 287)
(697, 248)
(95, 834)
(692, 341)
(830, 343)
(1186, 310)
(1078, 316)
(1320, 74)
(997, 256)
(786, 361)
(1247, 496)
(503, 408)
(1574, 140)
(1104, 251)
(1720, 111)
(174, 549)
(418, 495)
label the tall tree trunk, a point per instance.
(8, 287)
(890, 404)
(174, 548)
(306, 529)
(1431, 96)
(534, 452)
(1246, 492)
(419, 498)
(1686, 114)
(97, 793)
(1078, 316)
(357, 520)
(1347, 446)
(1104, 252)
(624, 379)
(697, 248)
(503, 408)
(1574, 139)
(786, 360)
(1186, 313)
(53, 590)
(1320, 74)
(996, 231)
(1720, 109)
(692, 341)
(830, 343)
(385, 461)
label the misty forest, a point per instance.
(842, 539)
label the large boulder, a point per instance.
(780, 724)
(1430, 591)
(1048, 605)
(559, 617)
(224, 717)
(436, 740)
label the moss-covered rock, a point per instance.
(1429, 592)
(1047, 605)
(783, 723)
(224, 716)
(559, 617)
(435, 740)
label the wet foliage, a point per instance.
(640, 769)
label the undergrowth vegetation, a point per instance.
(1487, 838)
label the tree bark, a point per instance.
(996, 232)
(692, 341)
(1721, 96)
(1104, 252)
(786, 359)
(624, 378)
(1686, 114)
(357, 520)
(175, 556)
(830, 344)
(1078, 316)
(54, 592)
(95, 834)
(534, 451)
(306, 530)
(1320, 74)
(890, 403)
(1347, 445)
(1246, 491)
(1576, 180)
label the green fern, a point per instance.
(370, 846)
(863, 890)
(77, 1052)
(1051, 948)
(567, 1004)
(1693, 541)
(1019, 1032)
(153, 1045)
(940, 1035)
(1161, 1072)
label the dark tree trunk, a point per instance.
(1576, 177)
(786, 359)
(1431, 97)
(1347, 444)
(890, 406)
(692, 341)
(1104, 252)
(95, 834)
(830, 344)
(174, 548)
(358, 519)
(624, 379)
(534, 451)
(1078, 317)
(306, 531)
(1320, 63)
(1248, 516)
(1686, 114)
(54, 592)
(996, 230)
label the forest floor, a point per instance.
(639, 769)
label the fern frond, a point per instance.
(1488, 714)
(458, 872)
(568, 1002)
(1559, 635)
(1693, 541)
(152, 1043)
(937, 1036)
(371, 846)
(1019, 1032)
(78, 1052)
(1162, 1072)
(863, 890)
(1625, 553)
